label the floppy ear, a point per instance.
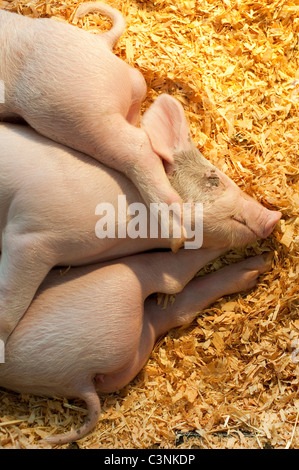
(167, 128)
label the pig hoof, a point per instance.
(268, 258)
(248, 280)
(176, 244)
(251, 269)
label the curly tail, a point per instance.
(94, 409)
(113, 35)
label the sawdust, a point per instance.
(229, 380)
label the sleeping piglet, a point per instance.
(49, 195)
(69, 86)
(91, 330)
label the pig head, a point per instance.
(231, 218)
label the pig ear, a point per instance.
(167, 128)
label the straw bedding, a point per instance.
(229, 380)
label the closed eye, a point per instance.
(241, 221)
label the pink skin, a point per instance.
(64, 345)
(92, 329)
(69, 86)
(49, 193)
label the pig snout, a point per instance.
(260, 220)
(248, 220)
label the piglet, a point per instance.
(69, 86)
(50, 194)
(92, 329)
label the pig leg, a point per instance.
(197, 295)
(137, 160)
(23, 267)
(167, 272)
(203, 291)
